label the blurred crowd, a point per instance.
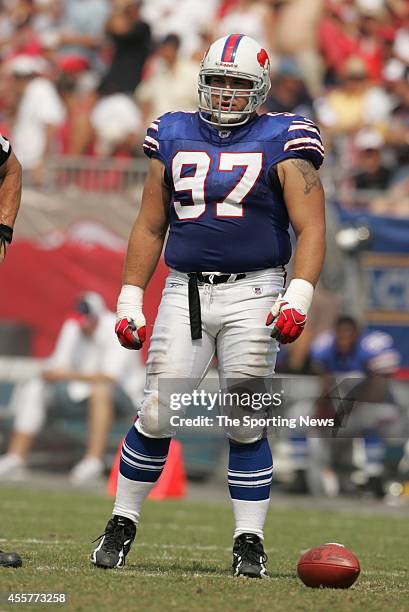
(85, 77)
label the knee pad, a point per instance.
(154, 417)
(251, 425)
(243, 435)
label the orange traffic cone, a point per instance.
(172, 481)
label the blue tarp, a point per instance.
(384, 266)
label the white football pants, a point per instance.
(233, 328)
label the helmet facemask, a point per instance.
(212, 112)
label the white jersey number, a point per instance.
(232, 205)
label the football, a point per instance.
(330, 565)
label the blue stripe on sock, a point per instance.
(374, 448)
(147, 468)
(142, 466)
(246, 461)
(250, 493)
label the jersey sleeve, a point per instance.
(303, 140)
(152, 144)
(379, 353)
(319, 352)
(5, 150)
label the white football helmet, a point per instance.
(239, 56)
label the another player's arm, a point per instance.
(144, 249)
(10, 197)
(304, 198)
(69, 375)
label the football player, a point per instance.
(350, 350)
(10, 196)
(226, 182)
(372, 355)
(338, 357)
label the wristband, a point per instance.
(299, 294)
(129, 301)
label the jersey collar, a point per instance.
(223, 136)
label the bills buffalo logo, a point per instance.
(262, 58)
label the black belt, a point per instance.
(195, 314)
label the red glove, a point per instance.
(129, 335)
(288, 322)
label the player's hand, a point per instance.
(130, 321)
(288, 322)
(131, 332)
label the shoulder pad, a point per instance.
(301, 137)
(375, 342)
(165, 127)
(321, 344)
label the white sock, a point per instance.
(130, 495)
(250, 516)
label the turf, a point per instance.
(183, 555)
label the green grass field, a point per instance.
(181, 560)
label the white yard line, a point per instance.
(137, 544)
(35, 541)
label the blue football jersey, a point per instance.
(367, 354)
(225, 214)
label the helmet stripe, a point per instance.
(230, 47)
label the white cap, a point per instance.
(371, 7)
(26, 65)
(91, 303)
(368, 138)
(394, 70)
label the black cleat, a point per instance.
(376, 486)
(249, 557)
(115, 543)
(10, 559)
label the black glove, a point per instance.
(6, 236)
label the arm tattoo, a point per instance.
(309, 173)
